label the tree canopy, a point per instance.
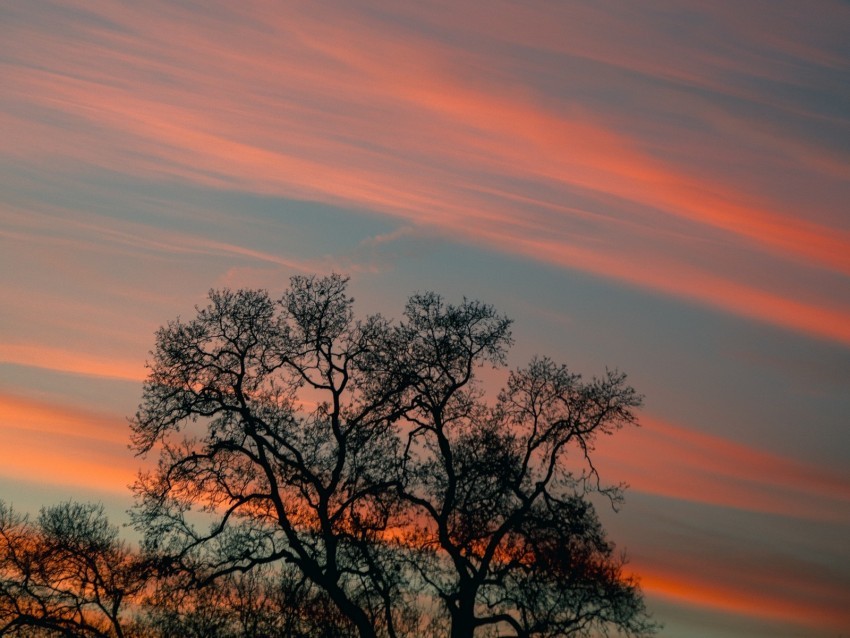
(363, 453)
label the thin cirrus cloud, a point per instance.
(362, 113)
(70, 361)
(63, 229)
(809, 603)
(57, 444)
(787, 578)
(675, 461)
(573, 150)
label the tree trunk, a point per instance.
(352, 611)
(463, 618)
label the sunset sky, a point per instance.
(662, 187)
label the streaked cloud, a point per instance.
(692, 154)
(678, 462)
(63, 360)
(748, 596)
(63, 445)
(362, 112)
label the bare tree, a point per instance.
(308, 483)
(362, 455)
(506, 536)
(265, 602)
(65, 574)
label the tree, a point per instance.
(65, 574)
(280, 481)
(361, 454)
(515, 544)
(265, 602)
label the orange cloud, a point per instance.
(678, 462)
(824, 318)
(63, 445)
(760, 600)
(64, 360)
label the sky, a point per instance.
(660, 187)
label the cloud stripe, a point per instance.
(213, 125)
(71, 361)
(64, 445)
(678, 462)
(729, 597)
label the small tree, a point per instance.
(265, 602)
(65, 574)
(362, 455)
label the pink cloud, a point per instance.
(678, 462)
(73, 361)
(290, 112)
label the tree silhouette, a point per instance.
(265, 602)
(313, 485)
(65, 574)
(361, 454)
(506, 537)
